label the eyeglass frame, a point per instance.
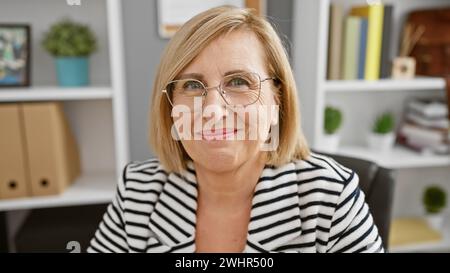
(218, 87)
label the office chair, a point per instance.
(377, 183)
(51, 229)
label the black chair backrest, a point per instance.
(377, 183)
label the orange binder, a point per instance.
(52, 151)
(14, 180)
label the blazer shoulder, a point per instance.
(318, 172)
(144, 174)
(325, 166)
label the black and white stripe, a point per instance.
(311, 205)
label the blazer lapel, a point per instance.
(275, 215)
(174, 216)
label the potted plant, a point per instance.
(333, 121)
(434, 200)
(382, 136)
(71, 44)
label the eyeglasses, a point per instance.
(240, 89)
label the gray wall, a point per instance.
(92, 13)
(143, 48)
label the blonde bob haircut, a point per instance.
(186, 44)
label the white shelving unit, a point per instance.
(399, 158)
(361, 101)
(97, 116)
(55, 93)
(385, 85)
(310, 64)
(90, 188)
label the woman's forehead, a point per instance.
(238, 50)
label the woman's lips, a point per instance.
(218, 134)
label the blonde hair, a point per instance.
(186, 44)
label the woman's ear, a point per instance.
(275, 109)
(274, 114)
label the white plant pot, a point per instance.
(381, 142)
(330, 143)
(436, 221)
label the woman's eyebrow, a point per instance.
(196, 76)
(199, 76)
(235, 71)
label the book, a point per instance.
(432, 123)
(424, 147)
(350, 54)
(374, 14)
(432, 135)
(429, 107)
(425, 128)
(335, 42)
(362, 48)
(440, 149)
(385, 62)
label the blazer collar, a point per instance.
(179, 197)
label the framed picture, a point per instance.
(172, 14)
(14, 55)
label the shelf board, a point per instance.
(94, 187)
(421, 83)
(442, 246)
(399, 157)
(43, 93)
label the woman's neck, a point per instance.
(227, 192)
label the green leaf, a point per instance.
(434, 199)
(384, 123)
(333, 119)
(69, 39)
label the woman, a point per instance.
(216, 185)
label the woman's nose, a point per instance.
(213, 97)
(215, 103)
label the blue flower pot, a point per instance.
(72, 71)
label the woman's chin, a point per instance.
(219, 160)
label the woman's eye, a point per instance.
(192, 85)
(237, 82)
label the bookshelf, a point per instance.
(46, 93)
(385, 85)
(97, 113)
(360, 100)
(399, 158)
(91, 187)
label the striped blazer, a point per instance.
(310, 205)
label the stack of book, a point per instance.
(358, 45)
(426, 126)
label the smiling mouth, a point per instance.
(218, 134)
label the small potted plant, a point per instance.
(382, 136)
(71, 44)
(332, 123)
(434, 200)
